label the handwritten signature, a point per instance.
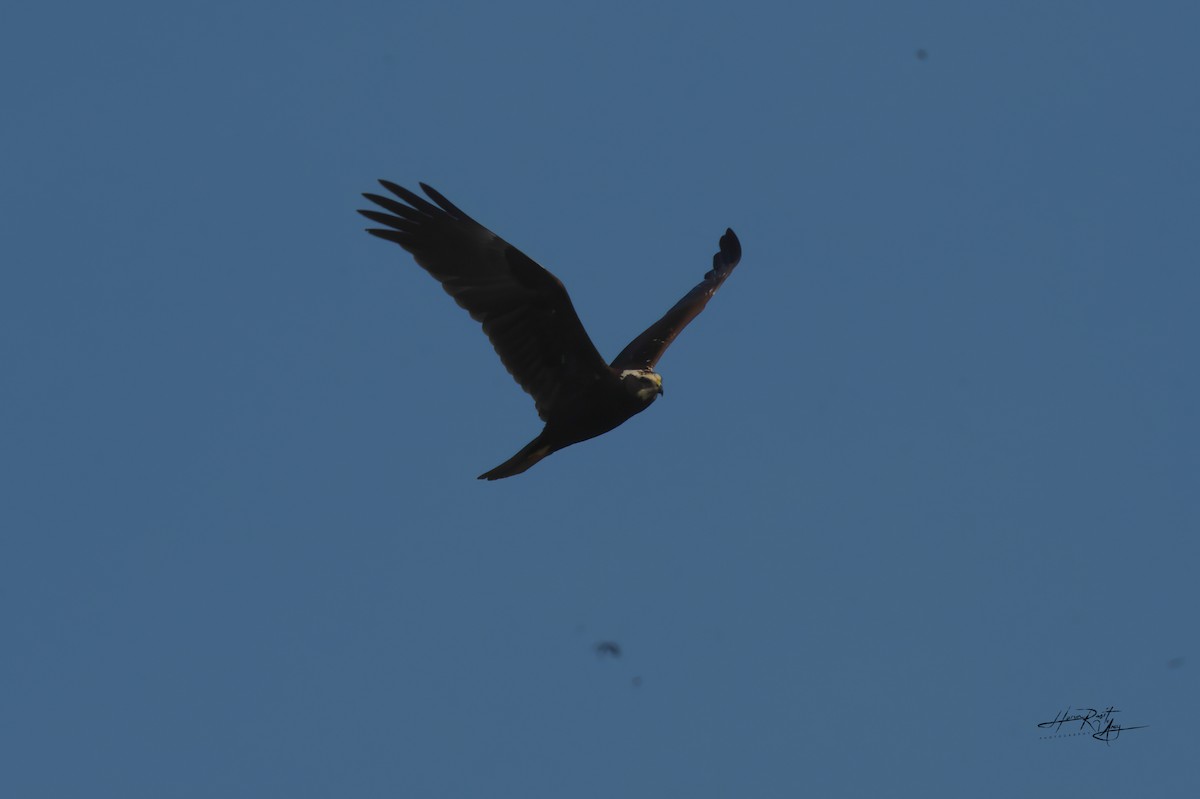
(1101, 723)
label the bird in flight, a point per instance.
(528, 316)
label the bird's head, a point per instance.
(645, 384)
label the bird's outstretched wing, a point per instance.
(645, 350)
(524, 310)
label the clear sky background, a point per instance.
(926, 472)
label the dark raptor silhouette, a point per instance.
(528, 316)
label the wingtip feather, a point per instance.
(731, 247)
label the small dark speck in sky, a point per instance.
(608, 649)
(922, 54)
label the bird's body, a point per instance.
(528, 316)
(605, 405)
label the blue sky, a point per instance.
(925, 473)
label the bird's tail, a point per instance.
(530, 454)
